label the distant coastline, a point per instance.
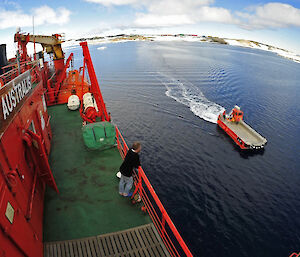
(185, 37)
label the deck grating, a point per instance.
(142, 241)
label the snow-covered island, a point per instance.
(184, 37)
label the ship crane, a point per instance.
(51, 44)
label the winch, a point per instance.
(90, 107)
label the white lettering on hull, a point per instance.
(14, 96)
(4, 107)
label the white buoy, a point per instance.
(73, 102)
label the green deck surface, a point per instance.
(89, 203)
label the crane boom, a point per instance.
(47, 40)
(52, 44)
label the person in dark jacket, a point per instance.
(131, 161)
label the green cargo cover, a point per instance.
(99, 135)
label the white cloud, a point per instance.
(46, 14)
(42, 15)
(113, 2)
(205, 13)
(165, 18)
(168, 13)
(216, 14)
(160, 4)
(154, 20)
(271, 15)
(171, 7)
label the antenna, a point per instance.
(34, 52)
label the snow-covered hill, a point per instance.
(190, 38)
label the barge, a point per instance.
(240, 132)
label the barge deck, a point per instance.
(244, 132)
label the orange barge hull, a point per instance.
(240, 132)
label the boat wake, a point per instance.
(188, 94)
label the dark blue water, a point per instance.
(223, 201)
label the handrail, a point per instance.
(173, 241)
(14, 72)
(295, 254)
(95, 89)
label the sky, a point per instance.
(274, 23)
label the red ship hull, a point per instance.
(25, 141)
(24, 175)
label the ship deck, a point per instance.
(89, 203)
(142, 241)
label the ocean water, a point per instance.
(167, 95)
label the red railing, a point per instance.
(35, 74)
(11, 71)
(159, 216)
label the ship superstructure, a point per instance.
(59, 154)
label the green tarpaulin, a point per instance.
(99, 135)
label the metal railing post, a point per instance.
(165, 218)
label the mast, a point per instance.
(34, 52)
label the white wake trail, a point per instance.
(186, 93)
